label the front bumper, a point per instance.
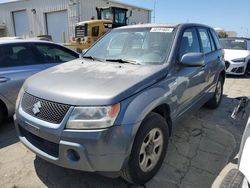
(103, 150)
(234, 68)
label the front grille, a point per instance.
(227, 64)
(80, 31)
(48, 147)
(48, 111)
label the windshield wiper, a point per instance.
(124, 61)
(92, 58)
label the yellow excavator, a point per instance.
(87, 32)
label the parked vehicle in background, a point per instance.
(20, 59)
(237, 55)
(113, 111)
(240, 178)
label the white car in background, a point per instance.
(237, 55)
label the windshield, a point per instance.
(235, 44)
(140, 45)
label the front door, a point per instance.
(190, 80)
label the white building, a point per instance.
(30, 18)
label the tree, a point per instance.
(222, 34)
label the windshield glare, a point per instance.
(144, 46)
(235, 44)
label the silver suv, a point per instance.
(114, 109)
(20, 59)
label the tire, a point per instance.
(217, 97)
(134, 171)
(233, 179)
(1, 115)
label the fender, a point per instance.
(136, 108)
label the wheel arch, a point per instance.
(223, 75)
(4, 107)
(164, 111)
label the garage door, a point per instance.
(57, 26)
(21, 25)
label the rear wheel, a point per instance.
(216, 100)
(148, 151)
(1, 114)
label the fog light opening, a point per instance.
(72, 155)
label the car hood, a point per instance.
(235, 54)
(82, 82)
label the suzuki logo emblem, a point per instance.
(36, 108)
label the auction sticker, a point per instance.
(162, 29)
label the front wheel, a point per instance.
(148, 151)
(216, 100)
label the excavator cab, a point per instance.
(87, 32)
(117, 15)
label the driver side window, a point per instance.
(189, 42)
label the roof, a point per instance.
(148, 25)
(94, 22)
(11, 1)
(130, 5)
(164, 25)
(14, 40)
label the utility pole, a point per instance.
(154, 10)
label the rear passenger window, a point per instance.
(189, 42)
(12, 55)
(216, 39)
(212, 42)
(205, 40)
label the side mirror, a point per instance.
(193, 59)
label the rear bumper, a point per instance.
(234, 68)
(100, 150)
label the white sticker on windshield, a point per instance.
(162, 30)
(239, 41)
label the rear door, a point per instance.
(212, 56)
(17, 62)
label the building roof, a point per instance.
(127, 4)
(112, 1)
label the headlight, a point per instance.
(93, 117)
(19, 96)
(239, 60)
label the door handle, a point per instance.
(4, 79)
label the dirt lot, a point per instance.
(201, 151)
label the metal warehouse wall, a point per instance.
(78, 10)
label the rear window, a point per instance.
(234, 44)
